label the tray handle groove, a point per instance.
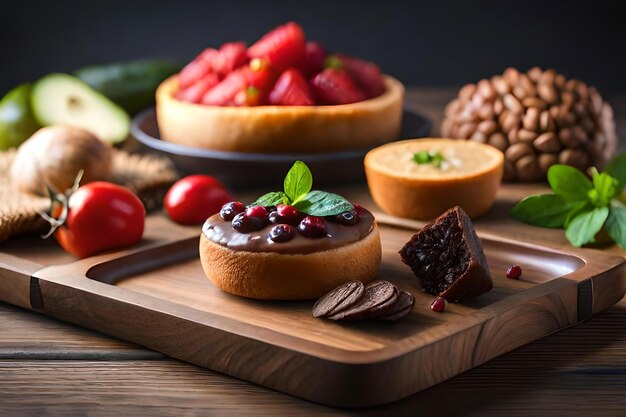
(585, 300)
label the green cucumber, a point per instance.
(129, 84)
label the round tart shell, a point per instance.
(274, 276)
(425, 198)
(280, 129)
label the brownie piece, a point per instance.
(448, 259)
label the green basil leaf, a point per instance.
(616, 224)
(617, 169)
(270, 199)
(321, 203)
(298, 181)
(583, 228)
(545, 210)
(568, 182)
(604, 188)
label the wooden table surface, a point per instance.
(51, 368)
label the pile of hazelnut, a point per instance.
(538, 118)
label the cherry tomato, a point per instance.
(101, 216)
(193, 199)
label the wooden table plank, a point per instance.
(30, 336)
(580, 371)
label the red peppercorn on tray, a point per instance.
(155, 294)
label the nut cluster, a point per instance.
(537, 119)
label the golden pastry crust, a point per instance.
(280, 129)
(274, 276)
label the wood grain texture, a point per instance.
(24, 335)
(165, 302)
(577, 372)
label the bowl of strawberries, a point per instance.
(281, 97)
(282, 94)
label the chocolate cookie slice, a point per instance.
(376, 294)
(380, 309)
(339, 299)
(448, 259)
(401, 308)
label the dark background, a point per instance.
(422, 43)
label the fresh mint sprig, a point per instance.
(581, 206)
(297, 192)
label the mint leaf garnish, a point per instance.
(617, 169)
(321, 203)
(616, 224)
(580, 205)
(545, 210)
(298, 181)
(604, 188)
(568, 182)
(422, 157)
(583, 228)
(270, 199)
(297, 193)
(428, 157)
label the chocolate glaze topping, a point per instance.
(221, 232)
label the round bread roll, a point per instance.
(276, 276)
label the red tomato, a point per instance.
(101, 216)
(193, 199)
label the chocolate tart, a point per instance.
(252, 265)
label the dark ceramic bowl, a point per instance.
(247, 170)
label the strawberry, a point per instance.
(224, 93)
(197, 90)
(249, 96)
(334, 86)
(231, 55)
(196, 69)
(365, 73)
(291, 89)
(261, 76)
(283, 46)
(313, 60)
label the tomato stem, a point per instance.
(63, 199)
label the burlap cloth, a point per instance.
(146, 175)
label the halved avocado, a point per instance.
(17, 122)
(64, 99)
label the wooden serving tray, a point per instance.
(155, 294)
